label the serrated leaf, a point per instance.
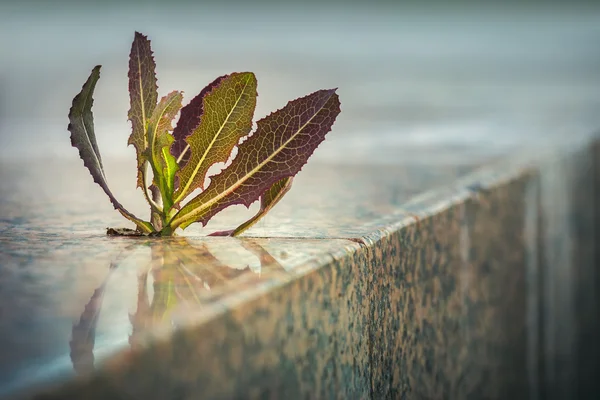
(143, 94)
(81, 126)
(227, 117)
(279, 148)
(188, 122)
(163, 163)
(268, 200)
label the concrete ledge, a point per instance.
(490, 294)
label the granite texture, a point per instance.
(448, 302)
(62, 276)
(452, 305)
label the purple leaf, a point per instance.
(279, 148)
(81, 126)
(143, 95)
(189, 119)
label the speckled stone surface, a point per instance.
(453, 288)
(454, 304)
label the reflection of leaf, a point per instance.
(173, 284)
(139, 319)
(83, 335)
(227, 117)
(266, 259)
(268, 200)
(200, 262)
(165, 296)
(181, 273)
(279, 148)
(81, 126)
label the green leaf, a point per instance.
(227, 117)
(275, 193)
(188, 121)
(268, 200)
(81, 126)
(158, 153)
(169, 170)
(143, 94)
(279, 148)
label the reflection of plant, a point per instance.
(182, 273)
(209, 128)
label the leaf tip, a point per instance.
(249, 74)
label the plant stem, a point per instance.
(167, 231)
(143, 225)
(145, 189)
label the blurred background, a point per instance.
(417, 74)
